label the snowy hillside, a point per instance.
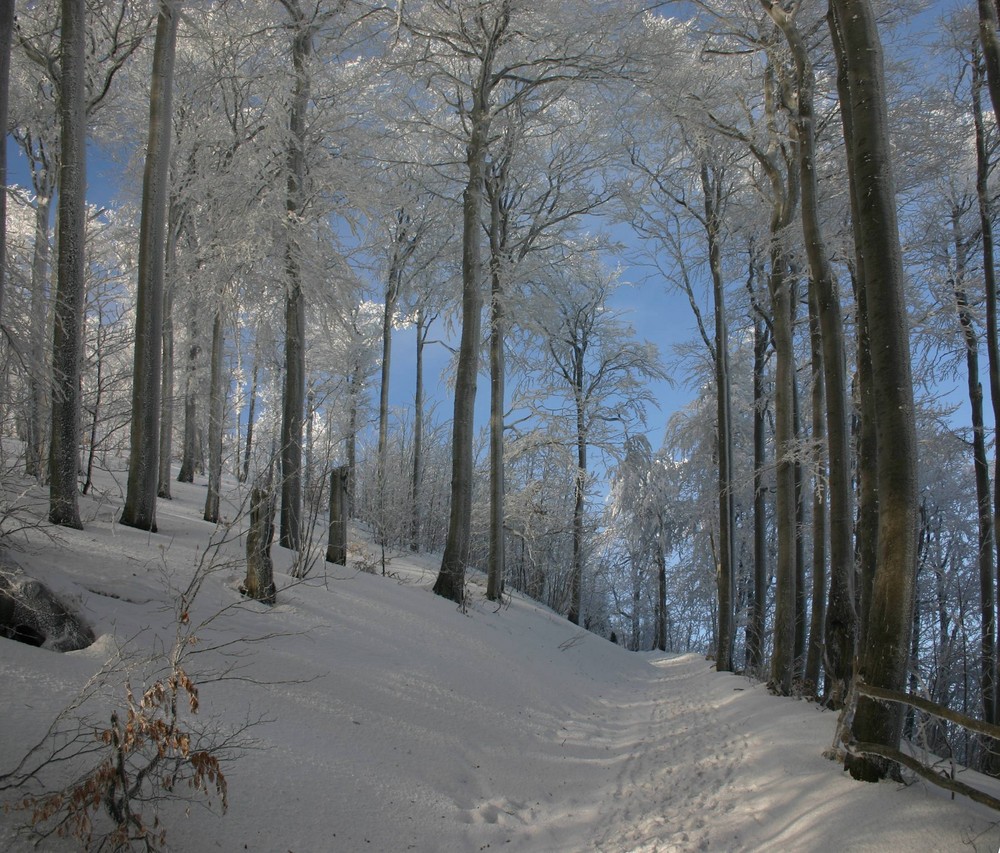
(393, 721)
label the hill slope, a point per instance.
(397, 722)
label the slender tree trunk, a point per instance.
(67, 342)
(841, 628)
(189, 451)
(143, 467)
(987, 596)
(801, 592)
(498, 324)
(251, 412)
(95, 419)
(711, 186)
(450, 581)
(167, 369)
(814, 656)
(579, 506)
(382, 450)
(418, 433)
(758, 610)
(216, 407)
(983, 198)
(6, 32)
(38, 379)
(783, 658)
(661, 598)
(883, 661)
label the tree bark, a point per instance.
(418, 432)
(814, 654)
(6, 32)
(38, 381)
(711, 186)
(189, 451)
(758, 608)
(167, 368)
(216, 406)
(984, 203)
(259, 582)
(143, 468)
(295, 317)
(450, 581)
(67, 344)
(336, 549)
(883, 660)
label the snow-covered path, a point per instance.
(398, 722)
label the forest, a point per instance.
(384, 262)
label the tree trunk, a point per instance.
(841, 628)
(783, 658)
(189, 451)
(983, 198)
(216, 407)
(259, 582)
(295, 318)
(987, 596)
(418, 433)
(38, 378)
(167, 369)
(6, 31)
(883, 660)
(814, 655)
(336, 549)
(498, 328)
(450, 581)
(143, 466)
(711, 186)
(251, 407)
(758, 609)
(67, 344)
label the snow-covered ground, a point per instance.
(397, 722)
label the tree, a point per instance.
(6, 31)
(841, 618)
(883, 658)
(143, 470)
(67, 342)
(598, 368)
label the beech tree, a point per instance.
(143, 469)
(883, 657)
(67, 342)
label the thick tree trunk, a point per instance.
(259, 582)
(295, 317)
(336, 549)
(67, 344)
(143, 467)
(883, 661)
(450, 581)
(216, 406)
(783, 658)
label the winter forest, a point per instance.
(673, 316)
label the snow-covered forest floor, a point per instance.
(394, 721)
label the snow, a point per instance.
(395, 721)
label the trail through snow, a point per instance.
(397, 722)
